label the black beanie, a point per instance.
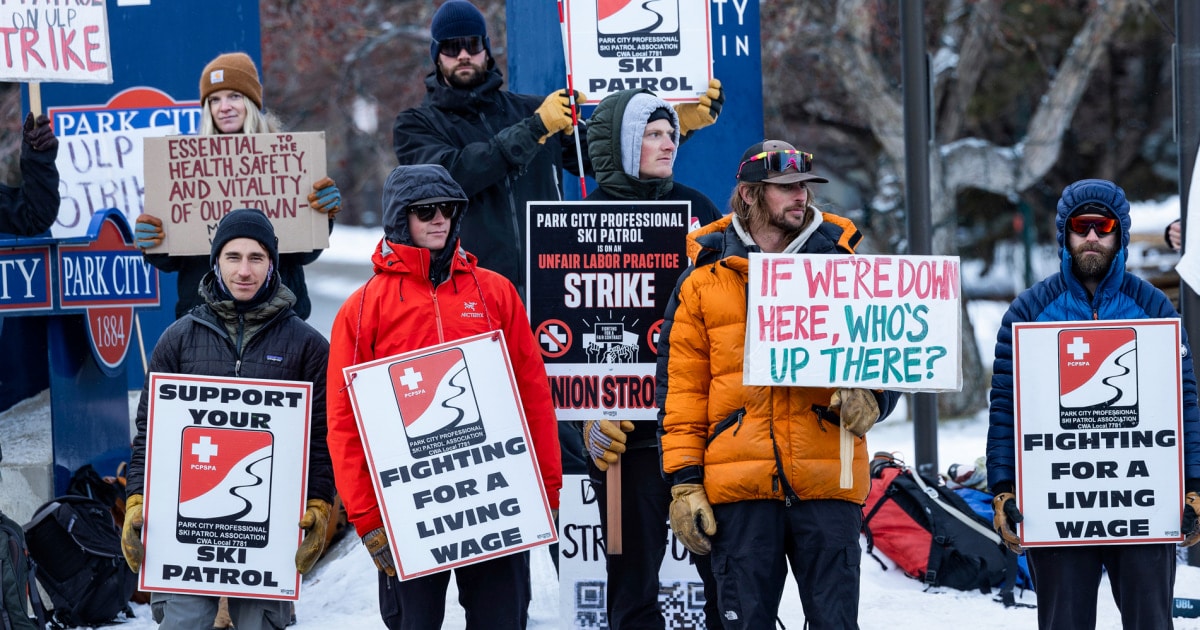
(661, 114)
(245, 223)
(458, 18)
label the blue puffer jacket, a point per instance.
(1061, 297)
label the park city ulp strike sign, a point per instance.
(54, 41)
(883, 322)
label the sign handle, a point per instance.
(35, 98)
(562, 25)
(846, 454)
(612, 537)
(137, 322)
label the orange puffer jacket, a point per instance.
(732, 436)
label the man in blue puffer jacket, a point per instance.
(1092, 284)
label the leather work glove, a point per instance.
(377, 543)
(38, 133)
(692, 517)
(1005, 517)
(131, 533)
(314, 523)
(857, 407)
(605, 440)
(325, 197)
(693, 116)
(1191, 519)
(147, 231)
(555, 113)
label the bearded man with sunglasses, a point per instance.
(428, 290)
(1091, 284)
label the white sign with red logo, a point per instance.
(226, 472)
(1098, 431)
(55, 41)
(450, 455)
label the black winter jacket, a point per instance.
(487, 138)
(32, 208)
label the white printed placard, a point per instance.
(1098, 431)
(884, 322)
(63, 42)
(226, 472)
(450, 455)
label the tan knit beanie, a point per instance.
(231, 71)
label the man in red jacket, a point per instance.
(427, 290)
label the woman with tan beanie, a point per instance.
(231, 96)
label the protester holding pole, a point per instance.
(32, 208)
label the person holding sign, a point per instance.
(428, 290)
(1092, 284)
(762, 477)
(232, 99)
(32, 208)
(246, 328)
(632, 141)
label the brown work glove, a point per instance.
(325, 197)
(377, 544)
(1005, 517)
(605, 440)
(857, 407)
(693, 116)
(555, 113)
(314, 522)
(131, 533)
(38, 134)
(1191, 519)
(692, 517)
(147, 231)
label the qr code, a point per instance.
(682, 605)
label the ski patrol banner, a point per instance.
(226, 476)
(879, 322)
(1099, 438)
(450, 453)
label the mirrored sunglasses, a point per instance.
(1082, 223)
(426, 211)
(452, 47)
(780, 161)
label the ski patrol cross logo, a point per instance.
(437, 404)
(1098, 378)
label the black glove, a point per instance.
(38, 134)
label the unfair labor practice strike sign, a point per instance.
(226, 468)
(55, 41)
(600, 274)
(883, 322)
(193, 181)
(664, 46)
(1098, 431)
(450, 455)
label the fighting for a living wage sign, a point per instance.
(226, 472)
(1099, 438)
(600, 274)
(664, 46)
(197, 180)
(883, 322)
(55, 41)
(450, 455)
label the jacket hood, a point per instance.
(615, 143)
(1097, 191)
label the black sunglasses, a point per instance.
(452, 47)
(426, 211)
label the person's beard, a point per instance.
(784, 222)
(1092, 267)
(477, 76)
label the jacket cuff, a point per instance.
(691, 474)
(1191, 485)
(1002, 487)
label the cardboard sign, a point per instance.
(450, 455)
(194, 181)
(55, 41)
(600, 275)
(226, 470)
(1099, 438)
(883, 322)
(663, 46)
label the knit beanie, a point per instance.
(245, 223)
(458, 18)
(231, 71)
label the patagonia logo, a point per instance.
(274, 358)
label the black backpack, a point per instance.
(19, 594)
(77, 549)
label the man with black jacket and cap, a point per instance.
(32, 208)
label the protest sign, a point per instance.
(450, 455)
(226, 471)
(194, 181)
(665, 48)
(883, 322)
(1099, 439)
(600, 275)
(55, 41)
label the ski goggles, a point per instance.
(762, 165)
(451, 47)
(426, 211)
(1081, 224)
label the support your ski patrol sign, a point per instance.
(1098, 431)
(226, 468)
(450, 454)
